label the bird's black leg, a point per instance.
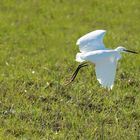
(76, 72)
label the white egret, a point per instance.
(92, 49)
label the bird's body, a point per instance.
(105, 64)
(98, 56)
(92, 49)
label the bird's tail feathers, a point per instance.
(79, 57)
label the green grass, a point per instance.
(37, 55)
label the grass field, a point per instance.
(37, 55)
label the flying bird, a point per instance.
(92, 49)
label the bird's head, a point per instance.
(123, 49)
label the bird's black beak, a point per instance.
(131, 51)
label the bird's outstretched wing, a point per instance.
(105, 73)
(91, 41)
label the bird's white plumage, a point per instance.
(92, 49)
(91, 41)
(105, 73)
(105, 65)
